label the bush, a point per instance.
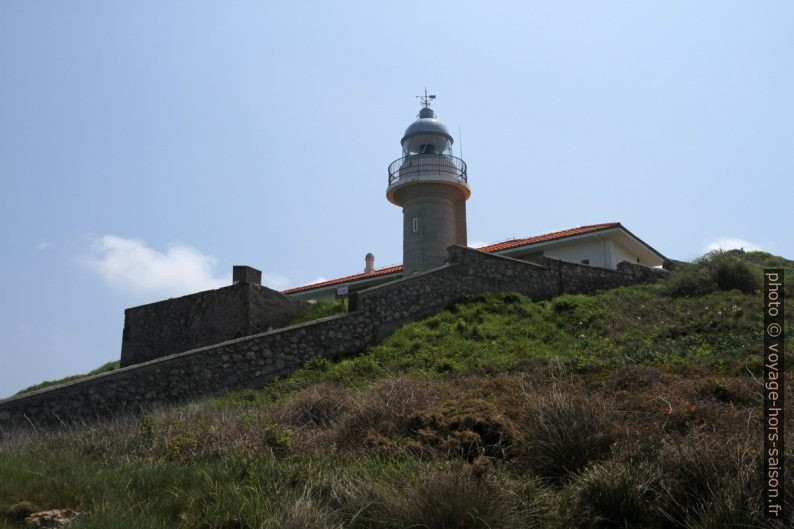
(383, 409)
(613, 495)
(318, 406)
(692, 280)
(716, 270)
(730, 272)
(568, 433)
(465, 427)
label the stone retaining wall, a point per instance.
(255, 360)
(202, 319)
(247, 362)
(473, 272)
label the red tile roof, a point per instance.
(512, 243)
(356, 277)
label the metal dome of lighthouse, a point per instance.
(427, 153)
(425, 126)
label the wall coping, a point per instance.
(168, 300)
(169, 358)
(452, 250)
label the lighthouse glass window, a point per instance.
(427, 144)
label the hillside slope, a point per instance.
(635, 407)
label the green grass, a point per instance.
(586, 334)
(636, 406)
(321, 310)
(110, 366)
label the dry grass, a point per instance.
(567, 432)
(670, 450)
(613, 495)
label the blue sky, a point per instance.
(147, 147)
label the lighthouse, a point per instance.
(430, 184)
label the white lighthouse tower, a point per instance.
(431, 186)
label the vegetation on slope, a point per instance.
(110, 366)
(315, 311)
(635, 407)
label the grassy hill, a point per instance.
(635, 407)
(104, 368)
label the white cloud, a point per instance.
(320, 279)
(731, 243)
(478, 244)
(131, 265)
(43, 245)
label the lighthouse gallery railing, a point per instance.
(413, 165)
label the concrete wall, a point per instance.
(594, 250)
(620, 253)
(256, 360)
(438, 209)
(180, 324)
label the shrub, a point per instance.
(568, 433)
(690, 281)
(716, 270)
(318, 406)
(608, 495)
(465, 427)
(730, 272)
(385, 408)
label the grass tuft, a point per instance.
(613, 495)
(568, 433)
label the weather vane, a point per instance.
(426, 99)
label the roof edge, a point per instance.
(490, 248)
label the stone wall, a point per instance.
(472, 272)
(198, 320)
(256, 360)
(237, 364)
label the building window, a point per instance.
(586, 261)
(415, 224)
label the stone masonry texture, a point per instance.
(253, 361)
(206, 318)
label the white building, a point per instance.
(602, 245)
